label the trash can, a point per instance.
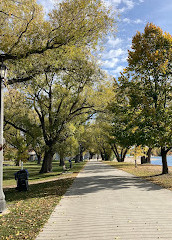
(22, 180)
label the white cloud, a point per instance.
(56, 1)
(130, 4)
(113, 42)
(129, 39)
(117, 70)
(112, 58)
(116, 2)
(121, 10)
(138, 21)
(126, 4)
(110, 63)
(118, 52)
(114, 53)
(130, 21)
(124, 59)
(48, 5)
(126, 20)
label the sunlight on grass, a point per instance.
(148, 172)
(28, 211)
(33, 169)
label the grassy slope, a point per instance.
(28, 211)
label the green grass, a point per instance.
(33, 169)
(28, 211)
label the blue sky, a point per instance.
(134, 14)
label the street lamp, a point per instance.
(3, 74)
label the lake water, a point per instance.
(158, 161)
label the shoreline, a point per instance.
(130, 159)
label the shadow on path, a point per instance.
(99, 177)
(39, 190)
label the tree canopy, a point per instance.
(53, 54)
(28, 39)
(147, 82)
(53, 101)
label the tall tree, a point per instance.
(94, 140)
(57, 99)
(48, 51)
(149, 67)
(122, 130)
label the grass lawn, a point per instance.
(33, 169)
(148, 172)
(28, 211)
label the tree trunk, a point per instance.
(164, 160)
(106, 156)
(77, 158)
(115, 150)
(81, 150)
(102, 156)
(119, 157)
(91, 155)
(62, 162)
(39, 159)
(148, 155)
(81, 157)
(124, 155)
(81, 154)
(17, 163)
(47, 161)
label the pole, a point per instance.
(2, 196)
(135, 157)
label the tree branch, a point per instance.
(9, 15)
(21, 34)
(17, 127)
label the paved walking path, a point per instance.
(107, 204)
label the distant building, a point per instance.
(32, 156)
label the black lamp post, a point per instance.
(3, 74)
